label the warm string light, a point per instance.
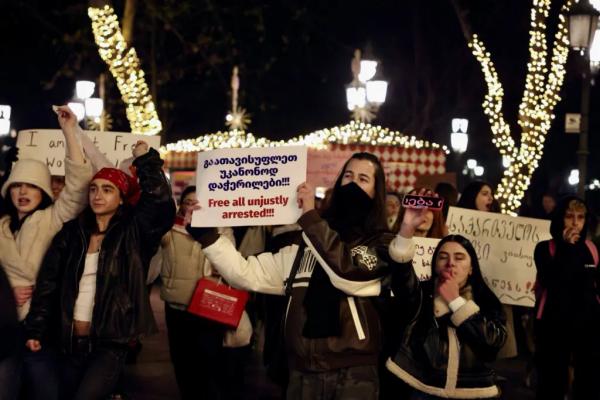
(541, 94)
(353, 133)
(124, 65)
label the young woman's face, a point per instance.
(575, 218)
(104, 196)
(25, 197)
(454, 257)
(187, 202)
(484, 199)
(361, 172)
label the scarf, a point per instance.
(347, 213)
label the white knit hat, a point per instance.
(29, 171)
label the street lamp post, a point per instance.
(583, 21)
(86, 105)
(4, 120)
(459, 141)
(364, 95)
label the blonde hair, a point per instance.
(576, 205)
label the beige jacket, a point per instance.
(183, 263)
(22, 255)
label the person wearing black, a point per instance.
(332, 329)
(567, 325)
(457, 324)
(90, 297)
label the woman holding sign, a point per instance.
(457, 323)
(91, 296)
(332, 329)
(26, 230)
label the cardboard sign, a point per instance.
(48, 145)
(424, 248)
(239, 187)
(504, 246)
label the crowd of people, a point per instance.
(342, 311)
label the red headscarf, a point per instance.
(127, 185)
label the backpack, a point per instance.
(541, 293)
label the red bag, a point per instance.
(218, 302)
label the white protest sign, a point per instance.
(239, 187)
(424, 248)
(504, 246)
(48, 146)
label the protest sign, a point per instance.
(239, 187)
(48, 146)
(504, 246)
(424, 248)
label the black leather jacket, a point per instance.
(444, 353)
(122, 307)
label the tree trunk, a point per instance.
(128, 20)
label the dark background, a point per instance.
(294, 59)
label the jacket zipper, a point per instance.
(356, 318)
(82, 237)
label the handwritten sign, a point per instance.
(238, 187)
(424, 248)
(48, 146)
(504, 246)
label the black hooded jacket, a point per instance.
(444, 353)
(121, 305)
(569, 277)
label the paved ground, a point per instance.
(151, 378)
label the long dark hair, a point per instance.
(376, 220)
(482, 294)
(469, 194)
(9, 209)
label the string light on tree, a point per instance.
(124, 65)
(542, 86)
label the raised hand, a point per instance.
(306, 197)
(140, 148)
(571, 235)
(414, 217)
(187, 218)
(66, 118)
(448, 287)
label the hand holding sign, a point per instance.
(140, 149)
(66, 118)
(414, 216)
(306, 197)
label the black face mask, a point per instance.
(348, 212)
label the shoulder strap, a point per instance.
(593, 250)
(552, 247)
(295, 267)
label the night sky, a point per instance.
(294, 59)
